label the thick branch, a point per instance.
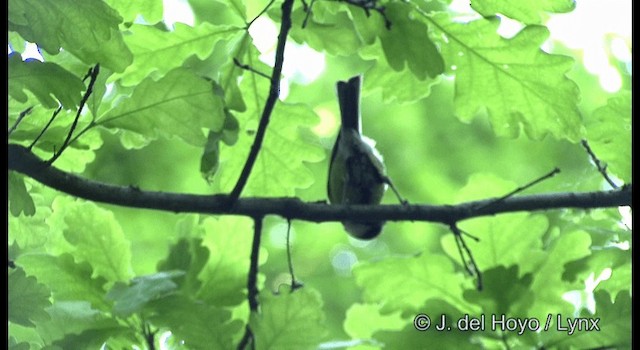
(24, 161)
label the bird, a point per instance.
(357, 174)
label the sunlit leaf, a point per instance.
(528, 12)
(180, 104)
(156, 52)
(521, 86)
(67, 279)
(609, 135)
(99, 240)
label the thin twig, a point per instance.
(601, 168)
(265, 9)
(53, 116)
(93, 74)
(387, 180)
(463, 249)
(294, 283)
(307, 8)
(521, 188)
(252, 280)
(149, 335)
(20, 117)
(274, 93)
(247, 338)
(249, 68)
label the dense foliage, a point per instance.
(459, 112)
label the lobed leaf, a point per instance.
(27, 298)
(609, 135)
(98, 239)
(289, 320)
(88, 29)
(521, 86)
(48, 81)
(180, 104)
(157, 51)
(528, 12)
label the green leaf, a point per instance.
(187, 255)
(505, 240)
(613, 320)
(34, 232)
(548, 284)
(609, 135)
(231, 12)
(280, 167)
(20, 200)
(76, 157)
(133, 298)
(401, 283)
(289, 320)
(224, 278)
(96, 338)
(151, 10)
(528, 12)
(156, 52)
(328, 20)
(210, 160)
(72, 317)
(14, 345)
(620, 279)
(521, 86)
(410, 338)
(88, 29)
(67, 279)
(98, 239)
(27, 299)
(402, 86)
(179, 104)
(502, 288)
(44, 80)
(196, 325)
(408, 43)
(363, 320)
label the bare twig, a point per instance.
(388, 181)
(464, 251)
(20, 117)
(249, 68)
(294, 283)
(308, 9)
(274, 93)
(149, 335)
(522, 188)
(53, 116)
(265, 9)
(252, 280)
(602, 168)
(93, 74)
